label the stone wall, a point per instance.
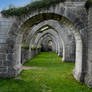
(24, 55)
(88, 78)
(6, 56)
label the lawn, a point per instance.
(50, 75)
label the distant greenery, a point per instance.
(39, 47)
(25, 46)
(36, 5)
(33, 48)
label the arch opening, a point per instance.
(74, 29)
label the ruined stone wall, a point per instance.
(6, 66)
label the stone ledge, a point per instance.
(3, 69)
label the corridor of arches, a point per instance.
(60, 29)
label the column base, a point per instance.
(88, 80)
(9, 72)
(79, 76)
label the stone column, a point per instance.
(88, 78)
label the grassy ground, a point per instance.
(51, 75)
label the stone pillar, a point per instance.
(24, 55)
(88, 78)
(8, 61)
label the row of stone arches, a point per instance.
(66, 28)
(78, 41)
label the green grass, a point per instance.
(51, 75)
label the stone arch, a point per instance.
(53, 34)
(41, 40)
(58, 39)
(48, 38)
(62, 34)
(32, 44)
(73, 24)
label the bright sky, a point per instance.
(5, 3)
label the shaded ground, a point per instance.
(45, 73)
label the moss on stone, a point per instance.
(88, 4)
(33, 48)
(28, 9)
(39, 47)
(25, 46)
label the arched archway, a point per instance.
(64, 37)
(51, 34)
(49, 38)
(75, 29)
